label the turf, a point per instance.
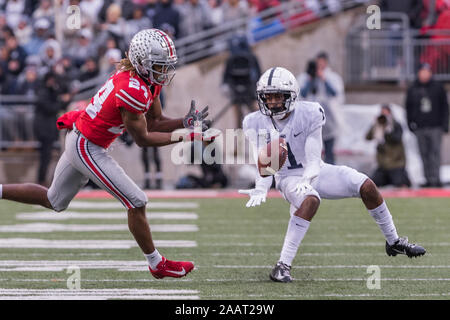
(237, 247)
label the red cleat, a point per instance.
(174, 269)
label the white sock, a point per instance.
(384, 220)
(297, 228)
(1, 191)
(153, 259)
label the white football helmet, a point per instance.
(152, 48)
(277, 80)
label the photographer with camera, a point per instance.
(391, 157)
(320, 84)
(242, 71)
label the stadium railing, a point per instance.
(16, 122)
(266, 24)
(394, 52)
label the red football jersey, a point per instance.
(101, 121)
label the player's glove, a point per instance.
(256, 196)
(303, 188)
(195, 117)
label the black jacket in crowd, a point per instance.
(48, 105)
(439, 113)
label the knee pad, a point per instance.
(141, 200)
(298, 200)
(58, 204)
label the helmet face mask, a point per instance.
(153, 55)
(276, 92)
(275, 103)
(157, 72)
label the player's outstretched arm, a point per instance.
(313, 151)
(156, 121)
(257, 195)
(136, 125)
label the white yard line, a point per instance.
(69, 215)
(101, 297)
(54, 227)
(150, 279)
(334, 267)
(118, 205)
(96, 294)
(315, 244)
(61, 265)
(88, 244)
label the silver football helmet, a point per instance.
(278, 81)
(152, 53)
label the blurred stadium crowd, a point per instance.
(30, 47)
(40, 56)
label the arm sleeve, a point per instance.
(317, 118)
(313, 153)
(130, 98)
(261, 183)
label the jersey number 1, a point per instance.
(292, 161)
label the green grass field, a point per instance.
(233, 249)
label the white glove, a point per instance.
(303, 188)
(256, 196)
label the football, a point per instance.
(272, 157)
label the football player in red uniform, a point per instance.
(128, 100)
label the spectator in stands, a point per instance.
(14, 10)
(5, 77)
(321, 84)
(411, 8)
(195, 17)
(267, 4)
(28, 86)
(53, 97)
(391, 159)
(216, 12)
(50, 54)
(89, 69)
(234, 9)
(70, 71)
(6, 33)
(114, 26)
(166, 14)
(23, 31)
(431, 10)
(150, 9)
(427, 112)
(3, 22)
(138, 22)
(16, 52)
(82, 48)
(109, 62)
(13, 70)
(44, 10)
(41, 28)
(91, 9)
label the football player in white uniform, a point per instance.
(304, 178)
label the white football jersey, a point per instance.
(304, 119)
